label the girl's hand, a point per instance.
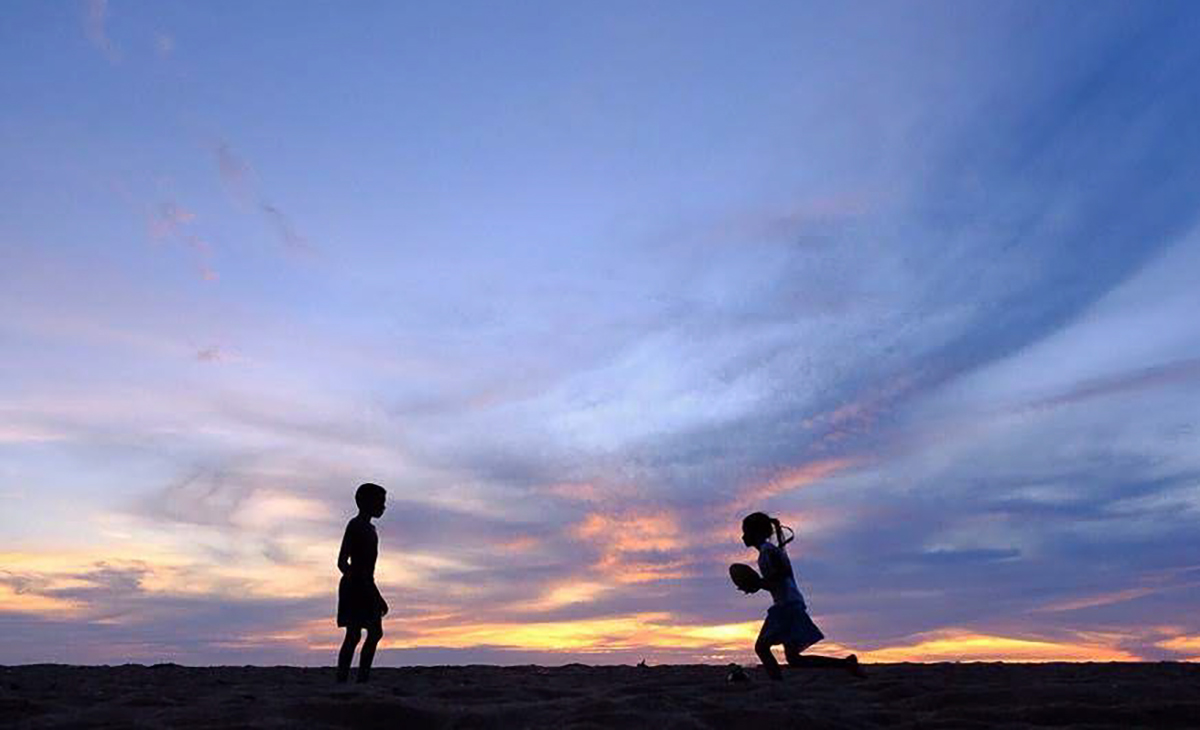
(383, 607)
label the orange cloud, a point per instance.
(625, 539)
(791, 479)
(563, 594)
(1183, 644)
(958, 645)
(659, 531)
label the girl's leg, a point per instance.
(762, 648)
(346, 655)
(796, 659)
(367, 656)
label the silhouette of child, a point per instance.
(360, 605)
(787, 621)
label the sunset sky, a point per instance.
(582, 284)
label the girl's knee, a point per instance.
(374, 635)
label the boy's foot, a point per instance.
(854, 667)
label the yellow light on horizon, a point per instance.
(953, 645)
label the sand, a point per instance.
(576, 696)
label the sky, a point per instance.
(582, 284)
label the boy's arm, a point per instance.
(344, 553)
(383, 607)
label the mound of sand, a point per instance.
(575, 696)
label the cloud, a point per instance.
(31, 433)
(636, 547)
(1156, 376)
(96, 28)
(1187, 645)
(235, 172)
(164, 44)
(790, 479)
(80, 615)
(291, 239)
(168, 221)
(211, 353)
(240, 182)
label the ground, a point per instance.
(1156, 695)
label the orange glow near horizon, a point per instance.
(598, 635)
(957, 645)
(44, 576)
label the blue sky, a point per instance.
(581, 286)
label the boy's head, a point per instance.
(370, 498)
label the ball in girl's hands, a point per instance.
(745, 578)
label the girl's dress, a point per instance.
(787, 622)
(359, 603)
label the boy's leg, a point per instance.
(346, 654)
(367, 656)
(762, 648)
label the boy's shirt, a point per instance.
(776, 570)
(362, 543)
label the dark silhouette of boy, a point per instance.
(360, 605)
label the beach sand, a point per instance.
(575, 696)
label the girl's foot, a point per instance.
(854, 667)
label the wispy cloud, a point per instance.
(240, 182)
(212, 353)
(96, 27)
(291, 239)
(235, 172)
(168, 221)
(164, 44)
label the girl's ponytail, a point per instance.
(779, 532)
(760, 525)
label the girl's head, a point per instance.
(758, 527)
(371, 499)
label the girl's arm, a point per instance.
(772, 570)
